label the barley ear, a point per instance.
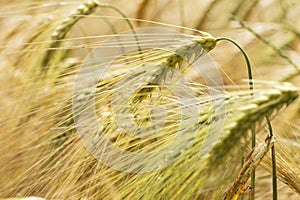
(250, 115)
(252, 161)
(53, 56)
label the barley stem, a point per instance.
(274, 173)
(251, 92)
(246, 59)
(127, 20)
(283, 55)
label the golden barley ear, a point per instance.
(252, 161)
(53, 56)
(250, 115)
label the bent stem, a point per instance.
(103, 5)
(253, 137)
(245, 56)
(283, 55)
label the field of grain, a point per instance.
(199, 97)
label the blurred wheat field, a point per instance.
(43, 43)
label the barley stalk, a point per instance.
(252, 161)
(277, 50)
